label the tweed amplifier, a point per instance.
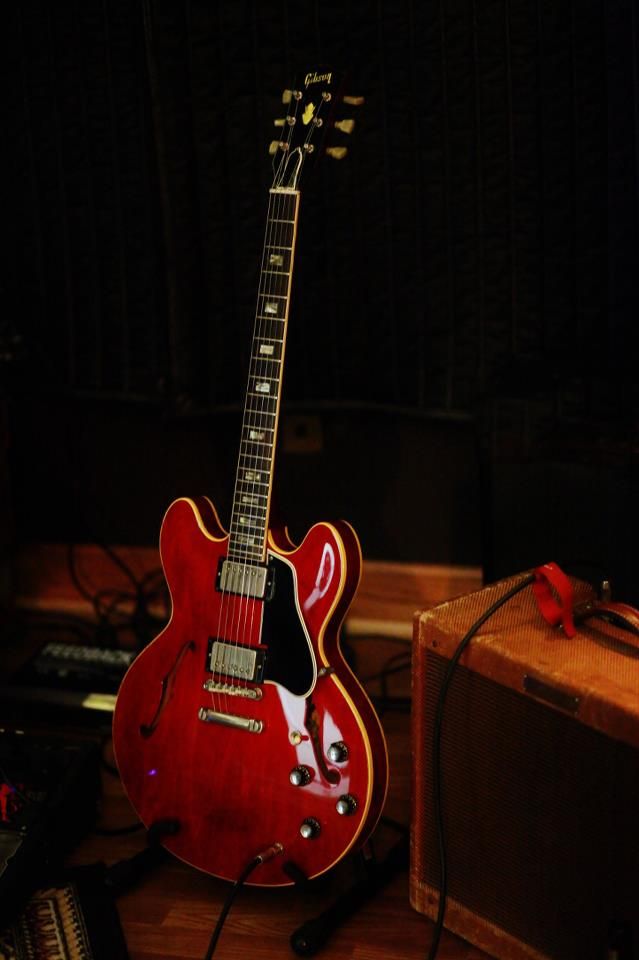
(539, 778)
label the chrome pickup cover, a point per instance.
(244, 579)
(243, 663)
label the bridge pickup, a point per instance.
(230, 690)
(242, 663)
(230, 720)
(245, 579)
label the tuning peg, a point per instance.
(289, 95)
(276, 145)
(346, 126)
(337, 153)
(353, 101)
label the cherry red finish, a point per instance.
(230, 789)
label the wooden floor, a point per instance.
(172, 912)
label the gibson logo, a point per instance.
(317, 78)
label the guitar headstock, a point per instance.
(312, 106)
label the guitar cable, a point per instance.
(263, 857)
(436, 754)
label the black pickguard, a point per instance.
(289, 660)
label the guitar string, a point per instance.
(257, 532)
(267, 415)
(255, 423)
(229, 600)
(270, 291)
(245, 548)
(243, 607)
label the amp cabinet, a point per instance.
(540, 780)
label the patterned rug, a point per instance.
(75, 920)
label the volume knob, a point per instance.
(300, 776)
(346, 805)
(337, 752)
(310, 828)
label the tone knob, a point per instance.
(310, 828)
(300, 776)
(337, 752)
(346, 805)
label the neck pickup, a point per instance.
(255, 580)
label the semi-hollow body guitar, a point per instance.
(241, 724)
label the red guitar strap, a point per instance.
(555, 597)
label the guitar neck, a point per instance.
(254, 478)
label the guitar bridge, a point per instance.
(254, 580)
(231, 690)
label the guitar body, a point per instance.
(228, 788)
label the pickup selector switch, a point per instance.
(310, 828)
(337, 752)
(346, 805)
(300, 776)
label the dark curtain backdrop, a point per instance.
(479, 242)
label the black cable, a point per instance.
(436, 755)
(395, 664)
(107, 602)
(380, 638)
(228, 903)
(118, 831)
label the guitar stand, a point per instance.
(308, 939)
(126, 873)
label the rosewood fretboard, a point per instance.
(253, 482)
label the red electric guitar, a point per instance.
(241, 724)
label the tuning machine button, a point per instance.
(346, 126)
(346, 805)
(310, 828)
(300, 776)
(353, 101)
(337, 153)
(337, 752)
(276, 145)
